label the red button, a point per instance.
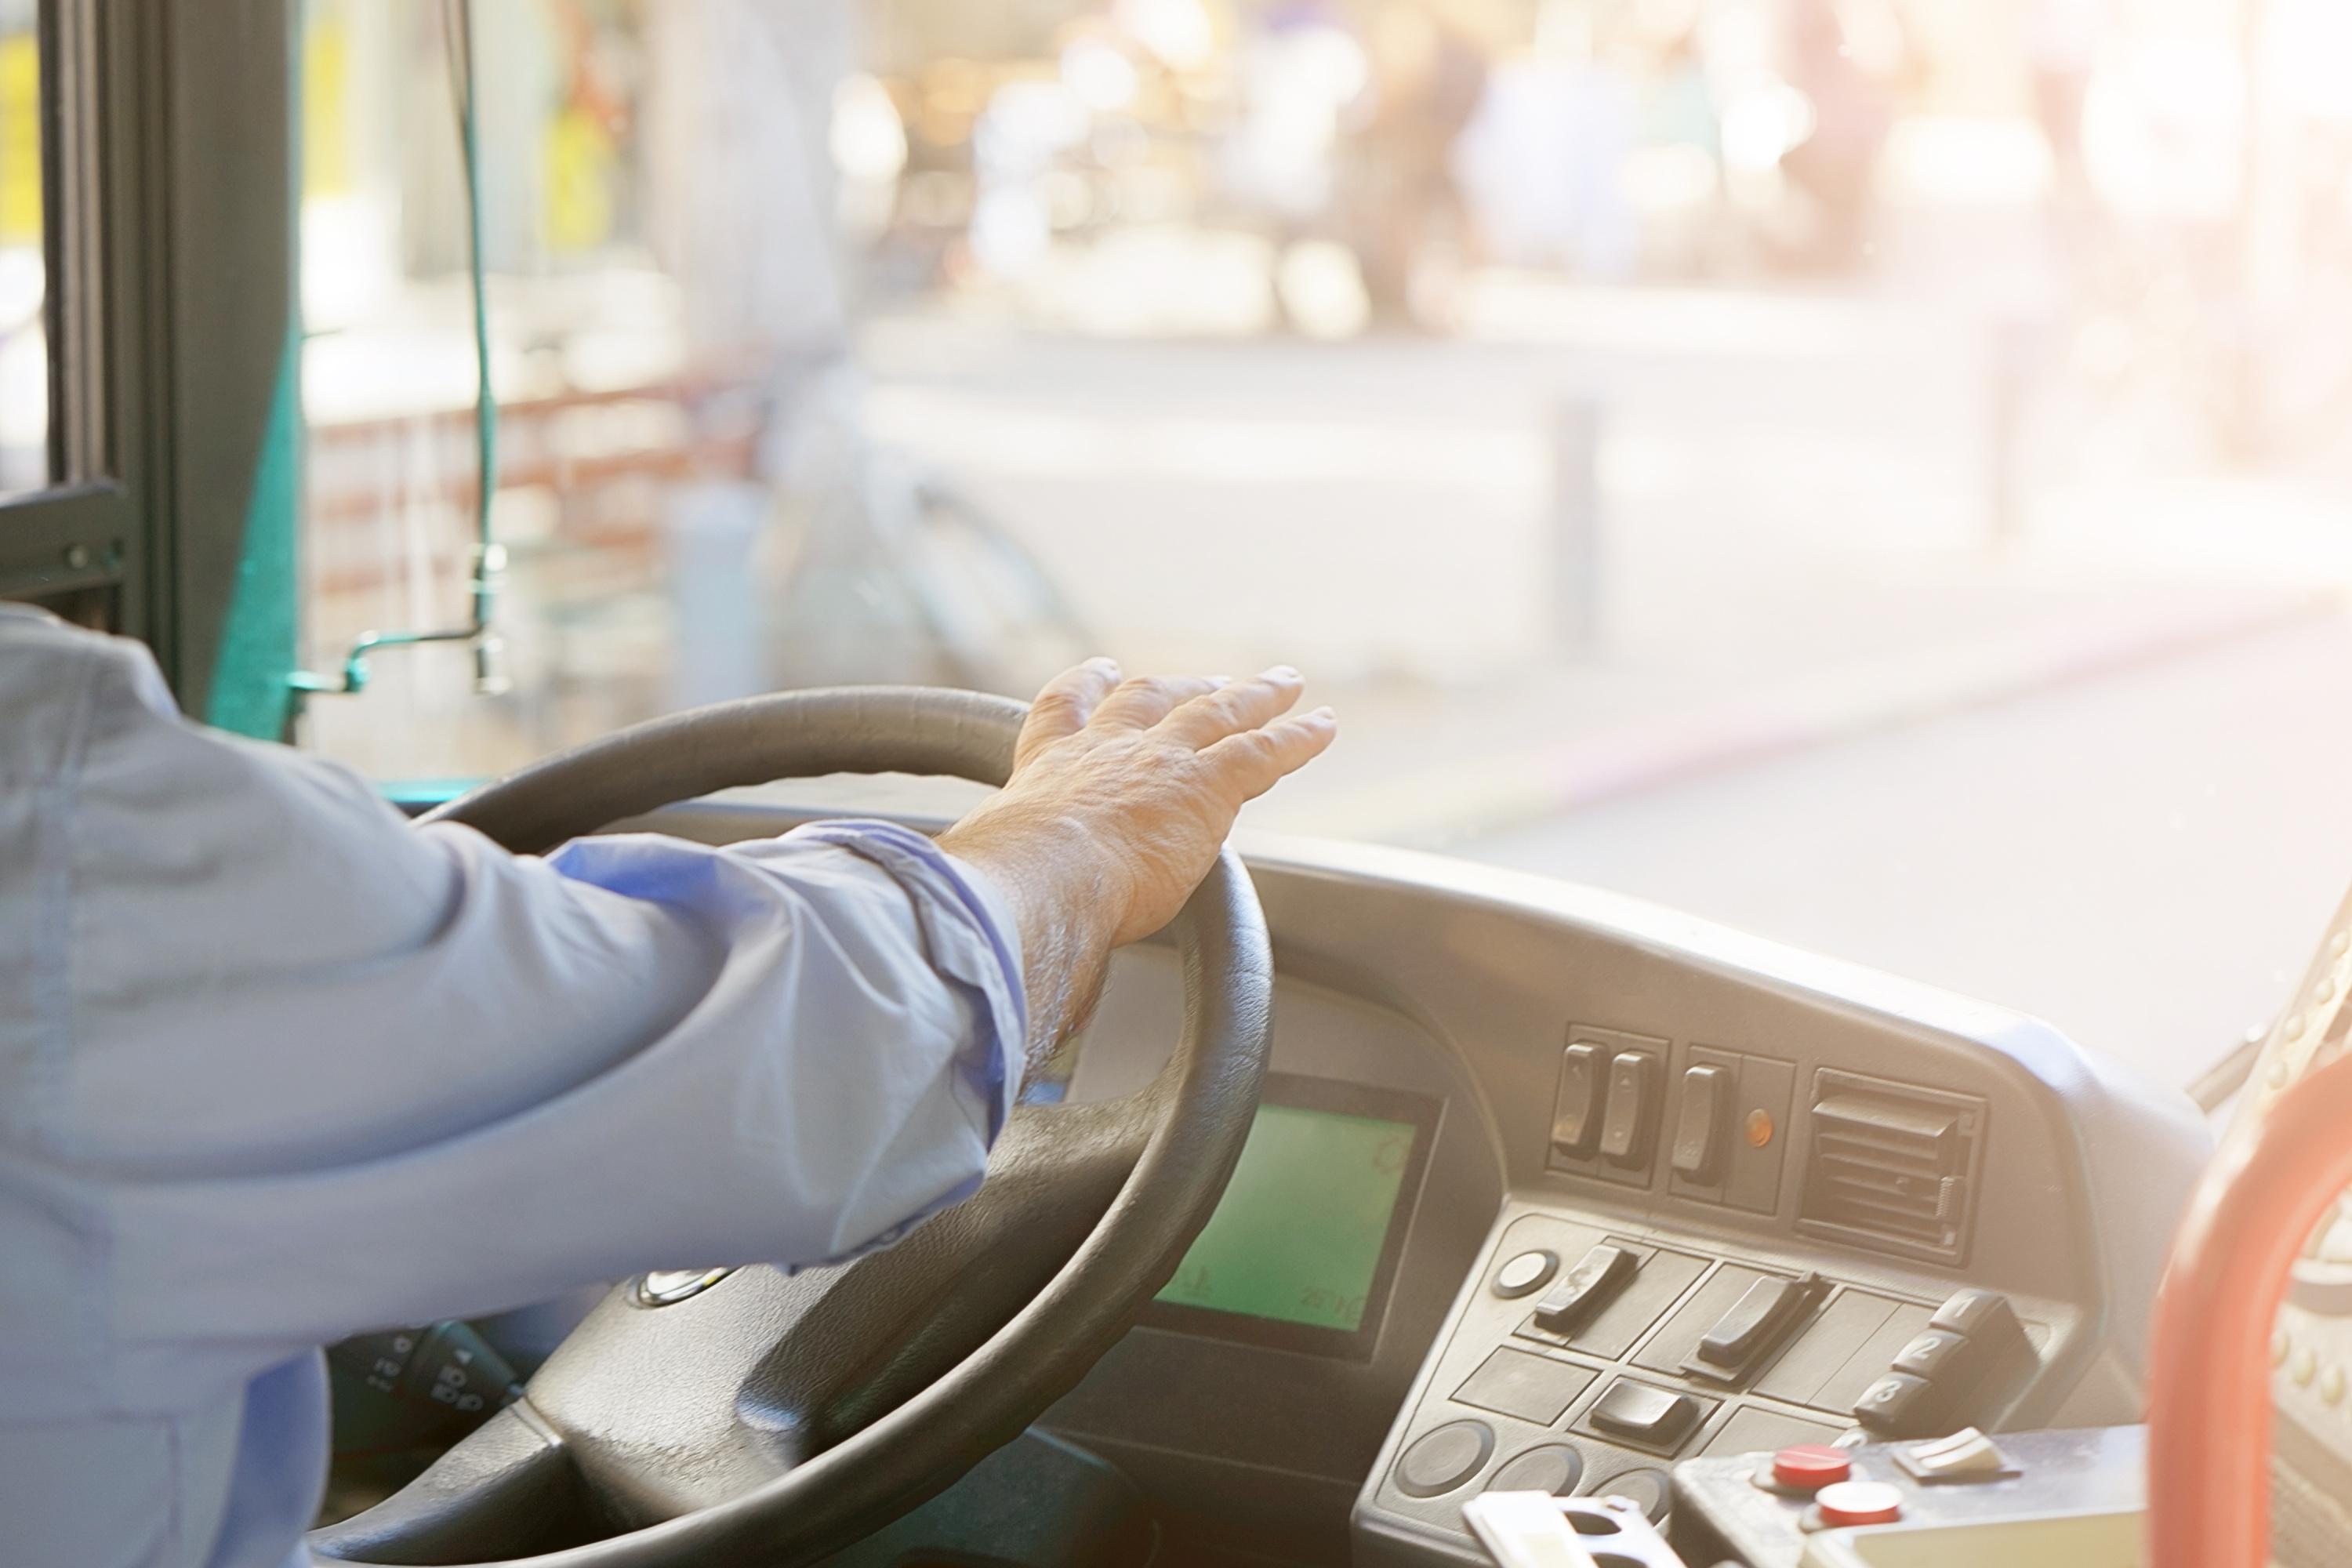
(1859, 1502)
(1810, 1466)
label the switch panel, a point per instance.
(1581, 1356)
(1607, 1105)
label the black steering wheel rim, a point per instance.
(1184, 1135)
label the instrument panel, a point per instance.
(1682, 1200)
(1555, 1189)
(1724, 1251)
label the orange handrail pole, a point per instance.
(2208, 1441)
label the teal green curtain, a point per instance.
(250, 692)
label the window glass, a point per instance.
(1418, 342)
(24, 337)
(1590, 394)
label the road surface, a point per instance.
(2146, 860)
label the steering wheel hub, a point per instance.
(662, 1287)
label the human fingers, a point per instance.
(1203, 721)
(1142, 702)
(1254, 761)
(1064, 705)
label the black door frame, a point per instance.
(170, 205)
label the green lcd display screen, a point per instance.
(1303, 1246)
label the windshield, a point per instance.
(1872, 472)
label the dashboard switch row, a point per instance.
(1586, 1289)
(1605, 1114)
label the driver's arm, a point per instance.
(278, 1066)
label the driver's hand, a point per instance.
(1121, 795)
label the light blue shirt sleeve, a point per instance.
(277, 1066)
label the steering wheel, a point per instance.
(717, 1417)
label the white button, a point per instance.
(1859, 1502)
(1522, 1274)
(1965, 1455)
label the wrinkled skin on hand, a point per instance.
(1122, 793)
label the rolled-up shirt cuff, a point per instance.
(972, 936)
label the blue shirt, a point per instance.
(276, 1067)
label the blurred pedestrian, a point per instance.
(2062, 45)
(1850, 81)
(1429, 77)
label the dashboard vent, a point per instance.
(1892, 1167)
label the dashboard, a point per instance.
(1553, 1189)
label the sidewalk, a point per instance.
(1791, 526)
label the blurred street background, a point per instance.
(1876, 472)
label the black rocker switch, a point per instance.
(1630, 1120)
(1659, 1417)
(1757, 1321)
(1576, 1109)
(1984, 1318)
(1995, 1353)
(1703, 1124)
(1586, 1289)
(1901, 1406)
